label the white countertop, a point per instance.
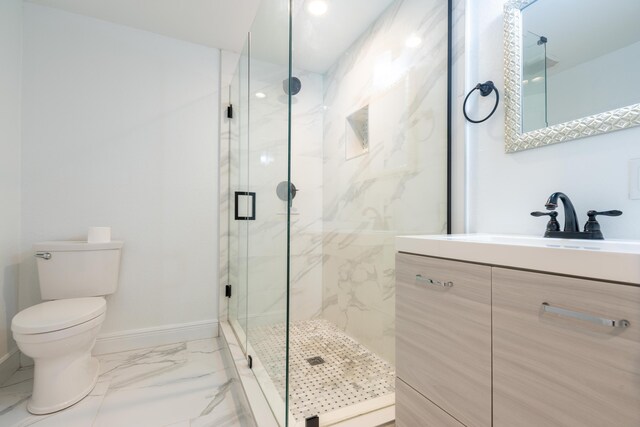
(615, 260)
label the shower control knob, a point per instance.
(283, 194)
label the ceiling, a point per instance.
(318, 41)
(216, 23)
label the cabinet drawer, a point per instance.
(443, 334)
(553, 364)
(412, 409)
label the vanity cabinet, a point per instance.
(413, 409)
(443, 336)
(481, 345)
(553, 364)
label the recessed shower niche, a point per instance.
(357, 133)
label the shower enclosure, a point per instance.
(334, 142)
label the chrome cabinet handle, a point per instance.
(43, 255)
(428, 281)
(547, 308)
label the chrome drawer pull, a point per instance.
(586, 317)
(428, 281)
(43, 255)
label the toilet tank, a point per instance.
(77, 269)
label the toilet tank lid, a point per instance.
(72, 245)
(57, 315)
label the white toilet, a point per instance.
(59, 334)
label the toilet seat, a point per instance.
(51, 316)
(59, 335)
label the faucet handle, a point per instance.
(592, 214)
(552, 214)
(553, 224)
(592, 225)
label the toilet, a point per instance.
(59, 334)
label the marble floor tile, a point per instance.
(184, 384)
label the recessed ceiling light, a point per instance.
(413, 41)
(317, 7)
(260, 95)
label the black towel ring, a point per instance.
(485, 89)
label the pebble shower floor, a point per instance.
(350, 373)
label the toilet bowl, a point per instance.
(58, 336)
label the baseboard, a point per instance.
(9, 363)
(150, 337)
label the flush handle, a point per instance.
(43, 255)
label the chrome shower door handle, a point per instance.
(612, 323)
(43, 255)
(427, 281)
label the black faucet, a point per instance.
(571, 230)
(570, 217)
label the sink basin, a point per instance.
(615, 260)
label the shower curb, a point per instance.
(259, 407)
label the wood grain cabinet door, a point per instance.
(414, 410)
(443, 334)
(566, 351)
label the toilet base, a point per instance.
(46, 400)
(64, 371)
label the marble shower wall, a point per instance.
(398, 68)
(306, 217)
(268, 168)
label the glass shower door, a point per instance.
(268, 179)
(259, 214)
(238, 187)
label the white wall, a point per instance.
(503, 188)
(10, 57)
(120, 128)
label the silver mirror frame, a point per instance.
(515, 140)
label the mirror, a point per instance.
(570, 70)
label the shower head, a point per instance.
(296, 85)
